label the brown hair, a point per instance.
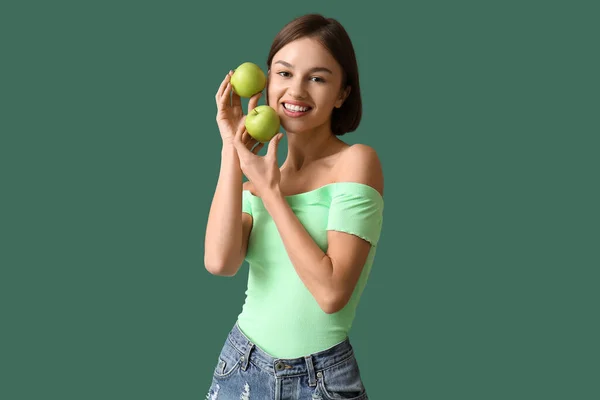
(332, 35)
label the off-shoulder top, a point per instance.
(279, 314)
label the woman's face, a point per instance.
(304, 85)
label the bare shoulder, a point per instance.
(360, 163)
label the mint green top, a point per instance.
(280, 315)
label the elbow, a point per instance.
(333, 304)
(221, 267)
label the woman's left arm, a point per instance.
(330, 276)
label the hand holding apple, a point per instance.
(262, 171)
(229, 108)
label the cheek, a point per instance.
(272, 94)
(327, 100)
(271, 99)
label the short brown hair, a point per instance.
(332, 35)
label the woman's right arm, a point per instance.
(228, 229)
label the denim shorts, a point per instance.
(245, 371)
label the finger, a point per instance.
(246, 138)
(222, 88)
(257, 148)
(236, 100)
(226, 97)
(252, 143)
(272, 149)
(241, 129)
(237, 140)
(254, 101)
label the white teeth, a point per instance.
(292, 107)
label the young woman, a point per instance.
(308, 229)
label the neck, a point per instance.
(309, 146)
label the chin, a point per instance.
(295, 125)
(292, 127)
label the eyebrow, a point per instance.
(315, 69)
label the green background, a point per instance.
(484, 114)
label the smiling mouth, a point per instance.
(296, 109)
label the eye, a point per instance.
(285, 74)
(318, 79)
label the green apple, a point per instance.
(248, 79)
(262, 123)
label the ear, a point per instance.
(343, 96)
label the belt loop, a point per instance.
(312, 380)
(245, 359)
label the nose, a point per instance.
(297, 88)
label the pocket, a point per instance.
(228, 362)
(342, 381)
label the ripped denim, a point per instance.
(244, 371)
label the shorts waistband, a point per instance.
(309, 364)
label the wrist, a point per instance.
(272, 196)
(229, 157)
(228, 149)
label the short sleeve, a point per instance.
(356, 209)
(246, 204)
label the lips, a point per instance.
(294, 113)
(293, 107)
(296, 103)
